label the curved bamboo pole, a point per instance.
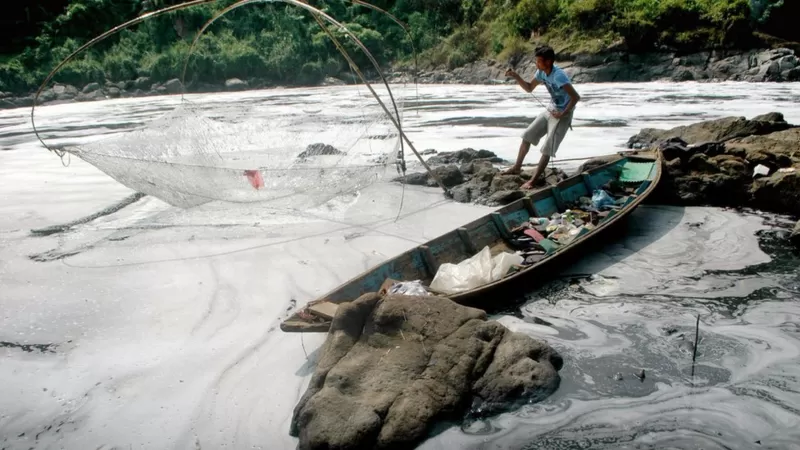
(316, 13)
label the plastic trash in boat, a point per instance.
(409, 288)
(473, 272)
(601, 199)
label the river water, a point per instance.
(156, 327)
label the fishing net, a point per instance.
(287, 154)
(297, 159)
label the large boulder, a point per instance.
(393, 366)
(718, 130)
(779, 192)
(449, 176)
(777, 150)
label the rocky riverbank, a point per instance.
(766, 65)
(729, 162)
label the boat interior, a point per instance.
(507, 229)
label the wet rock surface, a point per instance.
(319, 149)
(795, 236)
(393, 366)
(713, 163)
(713, 131)
(472, 177)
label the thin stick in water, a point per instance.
(696, 339)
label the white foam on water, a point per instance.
(164, 321)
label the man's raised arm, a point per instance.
(527, 86)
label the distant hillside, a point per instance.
(280, 43)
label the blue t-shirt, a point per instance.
(555, 85)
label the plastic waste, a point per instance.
(473, 272)
(539, 221)
(601, 199)
(761, 170)
(255, 178)
(408, 288)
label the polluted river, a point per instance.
(156, 327)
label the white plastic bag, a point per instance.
(503, 262)
(408, 288)
(473, 272)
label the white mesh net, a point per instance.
(296, 158)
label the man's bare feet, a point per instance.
(513, 170)
(532, 183)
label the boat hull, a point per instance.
(494, 230)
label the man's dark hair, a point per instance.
(545, 52)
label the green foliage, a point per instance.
(282, 43)
(531, 15)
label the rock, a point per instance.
(782, 146)
(414, 179)
(794, 238)
(173, 86)
(597, 162)
(319, 149)
(429, 151)
(142, 83)
(91, 87)
(478, 165)
(463, 156)
(504, 197)
(21, 102)
(675, 148)
(792, 75)
(773, 117)
(113, 92)
(730, 164)
(66, 92)
(392, 366)
(684, 75)
(718, 130)
(779, 193)
(91, 96)
(5, 94)
(699, 163)
(675, 167)
(449, 176)
(235, 84)
(331, 81)
(507, 182)
(461, 193)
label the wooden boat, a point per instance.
(639, 172)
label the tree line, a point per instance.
(281, 43)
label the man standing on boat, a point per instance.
(554, 121)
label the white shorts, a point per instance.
(554, 129)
